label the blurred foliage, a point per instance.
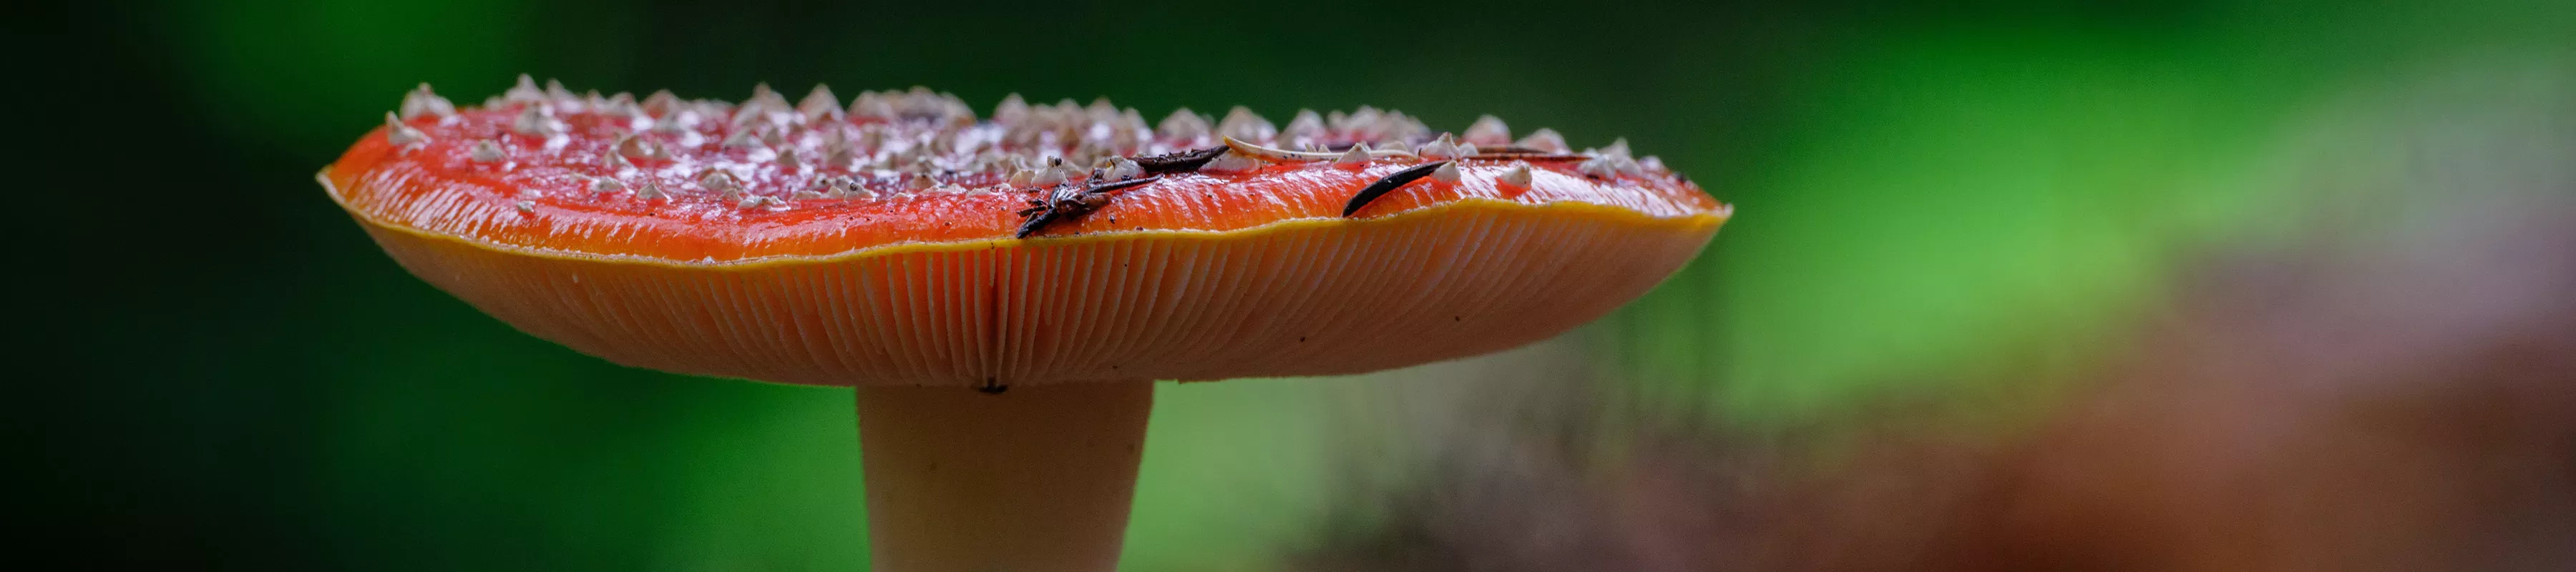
(1927, 194)
(1990, 201)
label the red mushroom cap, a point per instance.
(901, 241)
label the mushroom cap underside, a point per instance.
(1295, 298)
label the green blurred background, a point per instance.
(227, 373)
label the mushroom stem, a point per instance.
(1034, 478)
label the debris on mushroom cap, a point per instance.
(916, 142)
(1358, 156)
(1230, 162)
(905, 191)
(1390, 183)
(1122, 168)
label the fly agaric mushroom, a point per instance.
(1003, 293)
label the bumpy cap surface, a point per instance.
(900, 239)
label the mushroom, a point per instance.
(1003, 345)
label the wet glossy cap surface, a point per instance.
(877, 243)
